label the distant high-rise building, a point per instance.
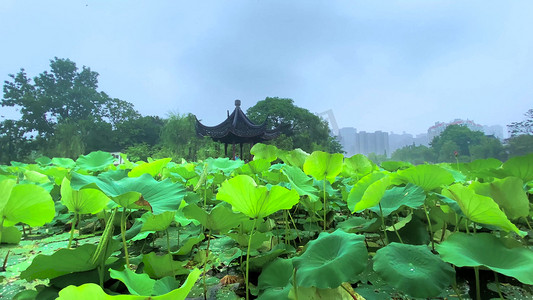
(494, 130)
(363, 142)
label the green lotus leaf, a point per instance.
(256, 202)
(159, 222)
(368, 191)
(26, 203)
(161, 195)
(300, 182)
(257, 263)
(402, 222)
(410, 195)
(57, 173)
(95, 161)
(266, 152)
(220, 219)
(256, 166)
(165, 285)
(413, 269)
(85, 201)
(64, 261)
(508, 193)
(36, 177)
(313, 293)
(357, 165)
(258, 238)
(43, 161)
(484, 249)
(358, 224)
(152, 168)
(215, 165)
(428, 177)
(162, 266)
(274, 280)
(393, 166)
(331, 259)
(137, 284)
(10, 235)
(91, 291)
(520, 166)
(66, 163)
(323, 165)
(186, 248)
(480, 209)
(294, 157)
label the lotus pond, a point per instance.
(286, 225)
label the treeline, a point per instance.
(63, 114)
(459, 143)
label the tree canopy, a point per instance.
(522, 127)
(299, 127)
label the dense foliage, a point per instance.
(287, 225)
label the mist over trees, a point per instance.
(64, 114)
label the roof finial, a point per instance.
(237, 102)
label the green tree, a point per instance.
(467, 145)
(299, 127)
(62, 108)
(520, 145)
(414, 154)
(523, 127)
(14, 146)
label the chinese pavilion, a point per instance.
(237, 129)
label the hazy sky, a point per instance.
(379, 65)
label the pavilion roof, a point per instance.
(236, 129)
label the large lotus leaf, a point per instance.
(357, 165)
(410, 195)
(10, 235)
(220, 219)
(162, 266)
(186, 248)
(480, 209)
(294, 157)
(43, 161)
(274, 280)
(373, 194)
(34, 176)
(520, 166)
(428, 177)
(413, 269)
(508, 193)
(66, 163)
(262, 151)
(256, 202)
(26, 203)
(331, 259)
(359, 190)
(258, 239)
(223, 164)
(85, 201)
(484, 249)
(95, 161)
(392, 166)
(323, 165)
(159, 222)
(137, 284)
(300, 182)
(91, 291)
(256, 166)
(57, 173)
(165, 285)
(64, 261)
(161, 195)
(152, 168)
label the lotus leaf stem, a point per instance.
(349, 292)
(170, 254)
(123, 234)
(74, 220)
(5, 261)
(248, 259)
(528, 225)
(498, 285)
(325, 201)
(383, 224)
(397, 234)
(430, 228)
(205, 264)
(478, 289)
(286, 219)
(294, 285)
(444, 226)
(456, 290)
(294, 224)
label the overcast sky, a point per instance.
(379, 65)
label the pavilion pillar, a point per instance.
(242, 157)
(233, 157)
